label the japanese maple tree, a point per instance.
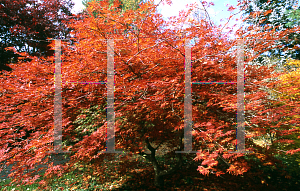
(149, 95)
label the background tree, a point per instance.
(287, 92)
(125, 4)
(26, 25)
(279, 18)
(266, 15)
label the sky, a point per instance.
(216, 12)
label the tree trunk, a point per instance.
(160, 173)
(159, 181)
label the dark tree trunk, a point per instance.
(160, 173)
(159, 181)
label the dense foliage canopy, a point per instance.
(149, 62)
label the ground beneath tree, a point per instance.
(190, 179)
